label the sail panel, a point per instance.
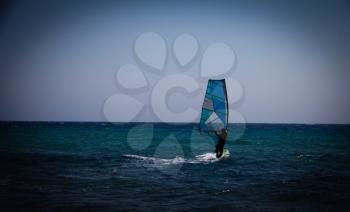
(214, 115)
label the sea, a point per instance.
(71, 166)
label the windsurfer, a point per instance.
(221, 142)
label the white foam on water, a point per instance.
(203, 158)
(209, 157)
(175, 160)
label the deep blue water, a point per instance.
(102, 166)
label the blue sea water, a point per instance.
(111, 167)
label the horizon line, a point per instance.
(155, 122)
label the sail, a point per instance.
(214, 115)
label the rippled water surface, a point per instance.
(100, 166)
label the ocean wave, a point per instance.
(315, 156)
(203, 158)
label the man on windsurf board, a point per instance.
(221, 142)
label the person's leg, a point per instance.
(217, 150)
(221, 150)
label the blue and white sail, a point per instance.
(214, 115)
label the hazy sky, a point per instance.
(58, 59)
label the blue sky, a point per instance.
(59, 58)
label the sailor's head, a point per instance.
(223, 130)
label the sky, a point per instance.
(59, 60)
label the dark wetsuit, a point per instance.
(221, 143)
(220, 147)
